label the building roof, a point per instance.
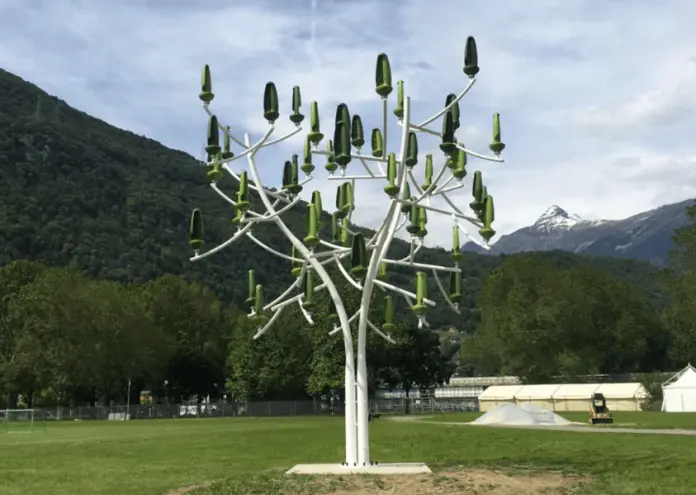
(484, 380)
(536, 392)
(575, 391)
(622, 390)
(500, 392)
(632, 390)
(686, 378)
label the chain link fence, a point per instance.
(251, 409)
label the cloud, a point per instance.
(668, 103)
(596, 98)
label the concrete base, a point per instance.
(380, 469)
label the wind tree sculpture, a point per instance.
(409, 204)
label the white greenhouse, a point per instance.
(565, 397)
(679, 392)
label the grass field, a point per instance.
(247, 456)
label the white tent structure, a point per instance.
(628, 396)
(574, 396)
(537, 395)
(679, 392)
(565, 397)
(496, 395)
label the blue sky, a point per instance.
(597, 98)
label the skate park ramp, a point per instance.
(521, 415)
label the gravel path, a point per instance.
(581, 428)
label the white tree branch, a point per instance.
(480, 244)
(350, 320)
(356, 177)
(451, 104)
(220, 247)
(356, 157)
(366, 166)
(437, 190)
(457, 214)
(268, 325)
(403, 292)
(206, 107)
(496, 159)
(453, 306)
(423, 266)
(346, 275)
(251, 149)
(287, 291)
(412, 251)
(275, 252)
(284, 209)
(425, 130)
(335, 248)
(443, 190)
(385, 109)
(304, 312)
(273, 194)
(232, 202)
(379, 332)
(280, 300)
(282, 138)
(296, 298)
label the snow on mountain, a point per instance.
(646, 236)
(555, 218)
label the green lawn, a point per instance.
(653, 420)
(154, 457)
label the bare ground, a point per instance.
(456, 482)
(466, 482)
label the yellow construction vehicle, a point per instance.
(599, 412)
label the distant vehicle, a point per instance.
(599, 412)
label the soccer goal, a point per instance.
(21, 420)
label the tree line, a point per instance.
(66, 339)
(545, 323)
(70, 339)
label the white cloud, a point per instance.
(671, 100)
(596, 98)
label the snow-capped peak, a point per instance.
(555, 218)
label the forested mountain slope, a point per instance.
(75, 191)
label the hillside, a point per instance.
(75, 191)
(646, 236)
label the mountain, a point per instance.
(554, 219)
(646, 236)
(75, 191)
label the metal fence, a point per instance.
(250, 409)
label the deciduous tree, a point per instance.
(414, 361)
(197, 329)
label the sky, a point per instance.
(596, 99)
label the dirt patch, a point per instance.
(453, 482)
(188, 489)
(471, 482)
